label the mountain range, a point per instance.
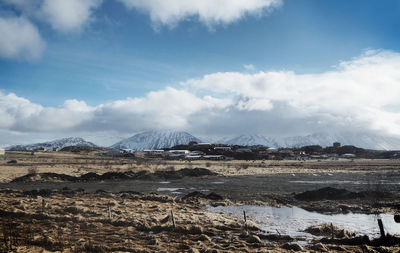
(363, 140)
(155, 140)
(168, 139)
(56, 144)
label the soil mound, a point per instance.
(43, 177)
(198, 195)
(91, 176)
(330, 193)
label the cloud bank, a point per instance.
(210, 12)
(362, 94)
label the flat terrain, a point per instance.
(74, 216)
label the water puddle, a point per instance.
(218, 182)
(293, 220)
(167, 189)
(164, 182)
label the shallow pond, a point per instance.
(293, 220)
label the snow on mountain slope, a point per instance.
(56, 144)
(155, 140)
(362, 140)
(252, 140)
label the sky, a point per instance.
(107, 69)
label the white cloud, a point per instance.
(20, 39)
(210, 12)
(67, 16)
(361, 94)
(357, 92)
(62, 15)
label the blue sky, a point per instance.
(120, 50)
(120, 54)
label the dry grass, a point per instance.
(78, 164)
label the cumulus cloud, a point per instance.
(210, 12)
(63, 16)
(361, 94)
(20, 39)
(67, 16)
(357, 92)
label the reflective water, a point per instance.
(293, 220)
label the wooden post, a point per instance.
(332, 231)
(245, 219)
(173, 219)
(43, 205)
(382, 230)
(109, 211)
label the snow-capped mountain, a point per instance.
(362, 140)
(56, 144)
(155, 140)
(252, 140)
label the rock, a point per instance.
(326, 230)
(292, 246)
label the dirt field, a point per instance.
(135, 215)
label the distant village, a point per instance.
(208, 151)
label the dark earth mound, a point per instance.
(91, 176)
(330, 193)
(197, 195)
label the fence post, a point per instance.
(173, 219)
(109, 211)
(381, 229)
(245, 219)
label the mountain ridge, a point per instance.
(155, 140)
(55, 144)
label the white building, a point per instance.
(348, 156)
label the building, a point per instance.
(223, 148)
(153, 153)
(2, 152)
(336, 144)
(348, 156)
(176, 153)
(214, 157)
(193, 157)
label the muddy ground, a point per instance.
(74, 221)
(75, 217)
